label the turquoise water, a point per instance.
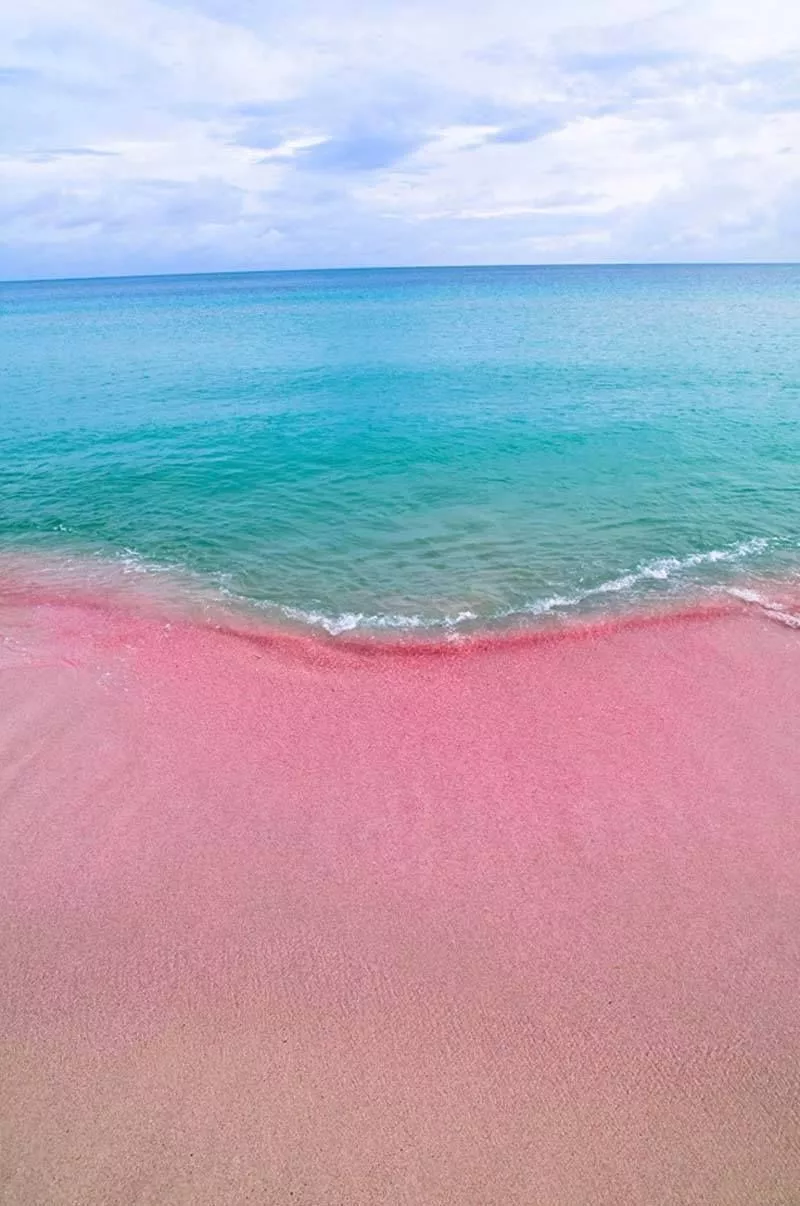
(407, 448)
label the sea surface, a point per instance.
(389, 450)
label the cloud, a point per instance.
(195, 134)
(619, 62)
(527, 131)
(361, 151)
(48, 155)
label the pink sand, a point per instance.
(287, 922)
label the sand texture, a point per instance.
(284, 921)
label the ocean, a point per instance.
(421, 450)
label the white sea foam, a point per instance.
(662, 569)
(657, 570)
(350, 621)
(209, 592)
(770, 607)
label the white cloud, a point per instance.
(146, 136)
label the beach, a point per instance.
(291, 919)
(399, 604)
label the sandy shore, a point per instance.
(288, 923)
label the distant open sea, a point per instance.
(425, 450)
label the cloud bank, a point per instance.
(158, 136)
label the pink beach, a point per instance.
(293, 921)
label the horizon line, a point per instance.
(140, 276)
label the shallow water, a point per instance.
(409, 448)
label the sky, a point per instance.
(145, 136)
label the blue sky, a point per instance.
(203, 135)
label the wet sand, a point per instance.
(285, 921)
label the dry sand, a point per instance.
(287, 922)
